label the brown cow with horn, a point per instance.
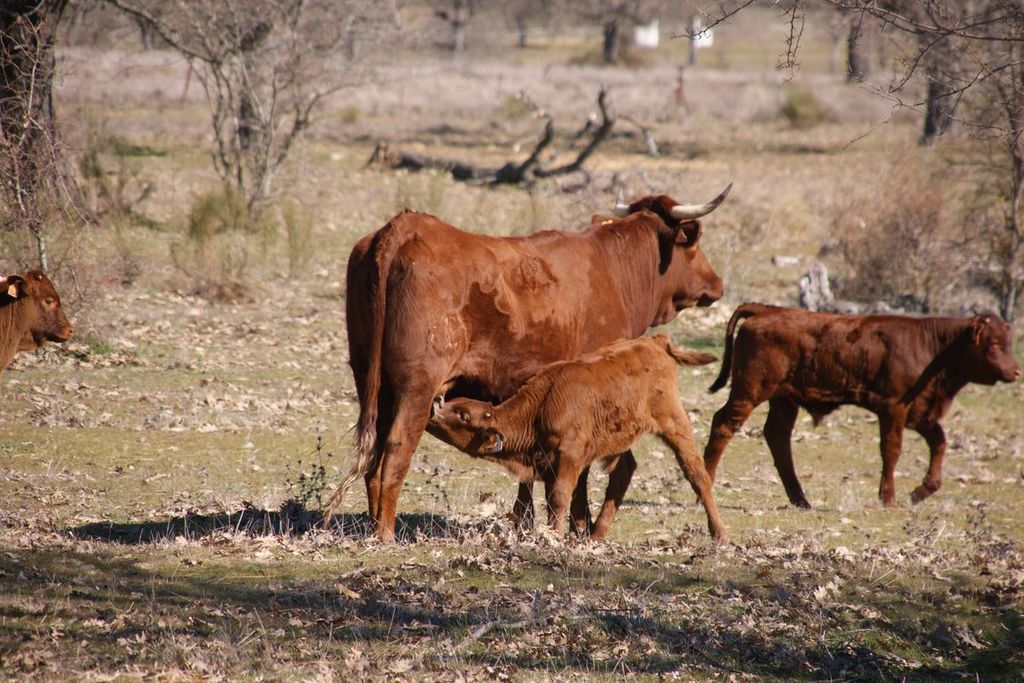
(434, 310)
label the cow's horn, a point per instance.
(687, 212)
(621, 208)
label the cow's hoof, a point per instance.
(919, 494)
(802, 504)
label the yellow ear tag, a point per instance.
(12, 291)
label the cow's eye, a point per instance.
(49, 301)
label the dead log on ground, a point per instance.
(514, 172)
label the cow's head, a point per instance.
(990, 358)
(38, 308)
(686, 278)
(467, 424)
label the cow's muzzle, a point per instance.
(499, 444)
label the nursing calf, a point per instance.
(905, 370)
(572, 413)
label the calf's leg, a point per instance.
(778, 430)
(579, 508)
(522, 510)
(727, 420)
(679, 437)
(618, 483)
(890, 427)
(560, 488)
(936, 440)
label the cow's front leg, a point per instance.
(936, 440)
(890, 427)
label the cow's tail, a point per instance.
(683, 356)
(383, 248)
(743, 312)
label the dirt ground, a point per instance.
(147, 464)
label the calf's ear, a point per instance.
(12, 286)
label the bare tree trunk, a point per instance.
(458, 36)
(1013, 261)
(858, 53)
(940, 70)
(29, 163)
(938, 114)
(610, 48)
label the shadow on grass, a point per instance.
(291, 519)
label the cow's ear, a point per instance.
(689, 233)
(667, 237)
(978, 325)
(12, 286)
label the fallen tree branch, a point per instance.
(523, 172)
(649, 141)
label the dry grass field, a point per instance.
(145, 465)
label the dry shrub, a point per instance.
(420, 192)
(532, 216)
(298, 229)
(900, 242)
(110, 176)
(221, 237)
(802, 108)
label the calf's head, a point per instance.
(990, 355)
(467, 424)
(686, 278)
(38, 308)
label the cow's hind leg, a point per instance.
(385, 484)
(778, 430)
(618, 483)
(936, 439)
(727, 420)
(679, 437)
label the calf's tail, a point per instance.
(683, 356)
(741, 313)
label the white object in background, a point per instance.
(647, 35)
(702, 37)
